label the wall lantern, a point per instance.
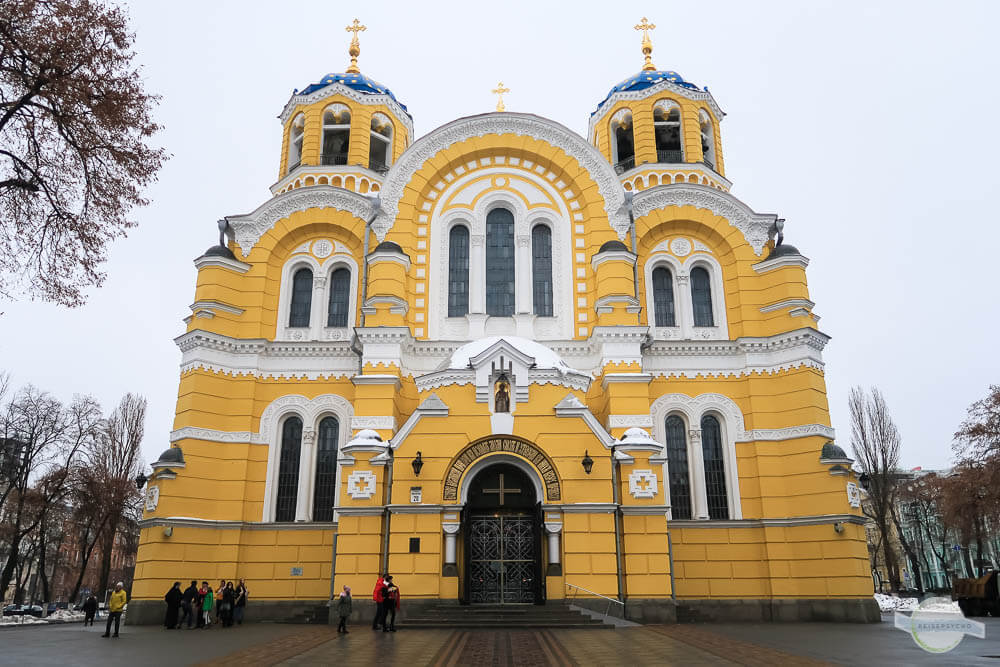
(418, 463)
(588, 463)
(838, 527)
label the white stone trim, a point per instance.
(612, 256)
(213, 306)
(662, 87)
(322, 270)
(787, 303)
(378, 423)
(789, 522)
(248, 228)
(628, 421)
(221, 262)
(789, 433)
(571, 406)
(779, 262)
(555, 134)
(362, 175)
(491, 459)
(361, 484)
(367, 99)
(757, 228)
(680, 270)
(265, 359)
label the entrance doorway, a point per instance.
(502, 538)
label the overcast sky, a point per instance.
(869, 126)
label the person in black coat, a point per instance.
(188, 611)
(90, 609)
(173, 599)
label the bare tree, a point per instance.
(75, 126)
(876, 442)
(978, 437)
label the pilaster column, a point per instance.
(522, 275)
(697, 472)
(477, 273)
(685, 312)
(303, 509)
(450, 569)
(318, 307)
(552, 531)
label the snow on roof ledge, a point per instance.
(543, 356)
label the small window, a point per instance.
(458, 271)
(500, 263)
(541, 269)
(707, 139)
(326, 469)
(295, 134)
(380, 148)
(715, 468)
(623, 141)
(302, 288)
(663, 297)
(667, 128)
(414, 545)
(677, 468)
(336, 135)
(340, 298)
(288, 470)
(701, 297)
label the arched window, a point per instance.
(458, 271)
(288, 470)
(622, 141)
(302, 290)
(715, 468)
(336, 134)
(541, 269)
(500, 262)
(677, 467)
(380, 148)
(707, 138)
(663, 297)
(340, 298)
(325, 494)
(701, 297)
(667, 127)
(295, 133)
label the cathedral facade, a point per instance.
(508, 364)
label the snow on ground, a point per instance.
(21, 620)
(893, 603)
(66, 615)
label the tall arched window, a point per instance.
(701, 297)
(622, 141)
(541, 269)
(336, 134)
(458, 271)
(663, 297)
(500, 262)
(302, 290)
(340, 298)
(677, 467)
(295, 133)
(667, 127)
(325, 494)
(380, 148)
(288, 470)
(707, 138)
(715, 468)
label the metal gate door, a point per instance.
(502, 560)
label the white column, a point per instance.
(684, 310)
(522, 275)
(318, 308)
(552, 531)
(450, 569)
(696, 470)
(303, 501)
(477, 273)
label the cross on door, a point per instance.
(501, 490)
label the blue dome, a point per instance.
(358, 82)
(645, 79)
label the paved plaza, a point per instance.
(274, 644)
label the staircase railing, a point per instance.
(611, 601)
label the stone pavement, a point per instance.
(272, 644)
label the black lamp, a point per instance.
(588, 463)
(418, 463)
(140, 481)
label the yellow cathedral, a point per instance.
(509, 365)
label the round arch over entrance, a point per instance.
(515, 450)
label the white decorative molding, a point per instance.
(571, 406)
(368, 99)
(853, 495)
(642, 484)
(322, 248)
(379, 423)
(361, 484)
(757, 228)
(213, 306)
(265, 359)
(310, 410)
(152, 497)
(662, 87)
(781, 261)
(701, 247)
(221, 262)
(680, 247)
(787, 303)
(612, 256)
(787, 433)
(555, 134)
(628, 421)
(250, 227)
(213, 435)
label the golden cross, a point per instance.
(499, 91)
(647, 45)
(355, 48)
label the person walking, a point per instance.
(90, 609)
(228, 601)
(390, 603)
(377, 596)
(173, 599)
(116, 604)
(207, 602)
(241, 602)
(344, 608)
(187, 604)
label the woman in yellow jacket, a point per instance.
(115, 606)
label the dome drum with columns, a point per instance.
(418, 349)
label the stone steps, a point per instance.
(500, 617)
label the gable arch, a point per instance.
(573, 145)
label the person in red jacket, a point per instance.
(377, 596)
(390, 603)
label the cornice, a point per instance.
(261, 358)
(612, 256)
(787, 303)
(366, 99)
(658, 89)
(212, 305)
(215, 524)
(757, 228)
(779, 262)
(325, 170)
(789, 522)
(248, 228)
(555, 134)
(390, 256)
(221, 262)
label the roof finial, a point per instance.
(355, 49)
(647, 46)
(499, 91)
